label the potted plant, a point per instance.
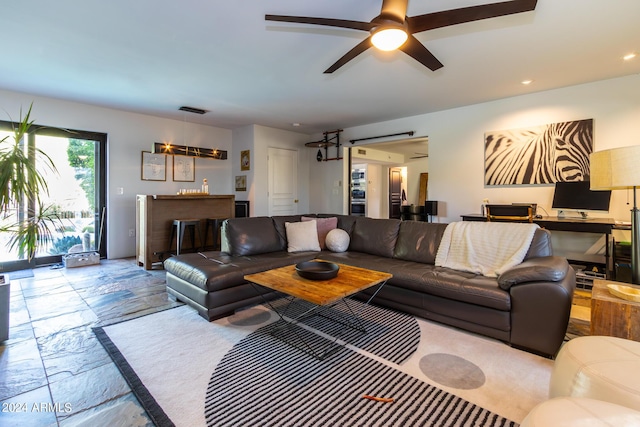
(22, 185)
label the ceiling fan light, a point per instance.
(389, 38)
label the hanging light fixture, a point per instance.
(389, 37)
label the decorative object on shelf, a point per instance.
(325, 143)
(154, 167)
(184, 150)
(617, 169)
(483, 207)
(530, 156)
(241, 183)
(184, 169)
(205, 186)
(245, 160)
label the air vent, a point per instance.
(192, 110)
(362, 152)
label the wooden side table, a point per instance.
(614, 316)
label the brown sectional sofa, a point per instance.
(527, 306)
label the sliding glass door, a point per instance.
(75, 199)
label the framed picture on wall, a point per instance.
(184, 168)
(245, 160)
(241, 183)
(153, 167)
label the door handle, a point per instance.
(295, 201)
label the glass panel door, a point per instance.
(75, 198)
(71, 195)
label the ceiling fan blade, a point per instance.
(417, 51)
(394, 9)
(360, 47)
(329, 22)
(446, 18)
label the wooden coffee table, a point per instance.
(323, 295)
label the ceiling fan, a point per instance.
(419, 156)
(393, 21)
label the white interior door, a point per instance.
(283, 181)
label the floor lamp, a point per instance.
(617, 169)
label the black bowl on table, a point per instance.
(317, 270)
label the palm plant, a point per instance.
(21, 184)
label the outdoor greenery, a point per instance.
(82, 159)
(21, 185)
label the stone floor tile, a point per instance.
(124, 412)
(88, 389)
(64, 322)
(21, 368)
(18, 314)
(33, 408)
(71, 352)
(38, 291)
(18, 333)
(46, 306)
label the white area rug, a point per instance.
(175, 352)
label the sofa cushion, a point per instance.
(324, 226)
(250, 236)
(338, 240)
(375, 236)
(546, 269)
(345, 222)
(302, 236)
(418, 241)
(278, 223)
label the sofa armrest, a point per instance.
(540, 269)
(540, 312)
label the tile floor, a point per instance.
(53, 371)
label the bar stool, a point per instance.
(215, 223)
(181, 225)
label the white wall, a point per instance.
(456, 141)
(259, 139)
(128, 135)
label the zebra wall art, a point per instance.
(539, 155)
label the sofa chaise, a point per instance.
(527, 306)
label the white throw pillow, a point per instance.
(302, 236)
(337, 240)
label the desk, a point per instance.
(590, 225)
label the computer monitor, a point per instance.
(576, 196)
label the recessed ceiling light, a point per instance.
(629, 56)
(526, 82)
(295, 125)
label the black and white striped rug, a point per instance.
(382, 327)
(263, 381)
(186, 371)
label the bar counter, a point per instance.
(155, 215)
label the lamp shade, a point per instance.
(389, 38)
(615, 169)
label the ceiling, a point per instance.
(151, 57)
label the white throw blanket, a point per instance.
(487, 248)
